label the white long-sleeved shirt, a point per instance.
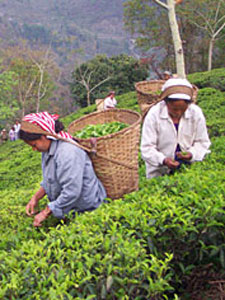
(109, 103)
(160, 137)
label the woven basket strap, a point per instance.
(177, 89)
(100, 102)
(32, 128)
(116, 162)
(169, 91)
(95, 153)
(147, 108)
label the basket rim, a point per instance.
(145, 82)
(195, 87)
(108, 136)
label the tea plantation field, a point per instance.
(165, 241)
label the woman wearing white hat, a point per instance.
(174, 130)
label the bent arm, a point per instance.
(149, 138)
(110, 103)
(70, 168)
(201, 143)
(30, 208)
(39, 194)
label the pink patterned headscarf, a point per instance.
(46, 122)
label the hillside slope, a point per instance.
(165, 241)
(95, 26)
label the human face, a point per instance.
(166, 76)
(176, 109)
(40, 145)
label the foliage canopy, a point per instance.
(123, 71)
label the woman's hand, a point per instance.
(30, 208)
(184, 155)
(171, 163)
(39, 218)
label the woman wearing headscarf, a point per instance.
(69, 180)
(110, 101)
(174, 130)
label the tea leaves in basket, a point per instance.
(99, 130)
(158, 92)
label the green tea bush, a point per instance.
(16, 161)
(212, 102)
(80, 113)
(143, 246)
(214, 79)
(139, 247)
(126, 101)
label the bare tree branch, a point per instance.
(41, 67)
(89, 76)
(217, 11)
(161, 3)
(207, 21)
(101, 82)
(219, 30)
(85, 80)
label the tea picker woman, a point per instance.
(69, 180)
(174, 130)
(110, 101)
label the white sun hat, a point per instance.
(172, 82)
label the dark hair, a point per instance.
(28, 136)
(110, 93)
(58, 126)
(167, 99)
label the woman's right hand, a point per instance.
(30, 208)
(171, 163)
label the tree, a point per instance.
(169, 6)
(151, 37)
(149, 26)
(26, 79)
(43, 61)
(34, 84)
(103, 74)
(177, 42)
(8, 104)
(84, 77)
(209, 17)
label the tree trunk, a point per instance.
(88, 98)
(39, 90)
(211, 44)
(23, 108)
(178, 48)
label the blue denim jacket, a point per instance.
(69, 179)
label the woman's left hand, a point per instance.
(184, 155)
(39, 218)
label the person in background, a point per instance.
(17, 129)
(69, 180)
(167, 75)
(110, 101)
(12, 134)
(174, 130)
(4, 136)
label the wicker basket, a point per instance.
(147, 93)
(116, 158)
(99, 104)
